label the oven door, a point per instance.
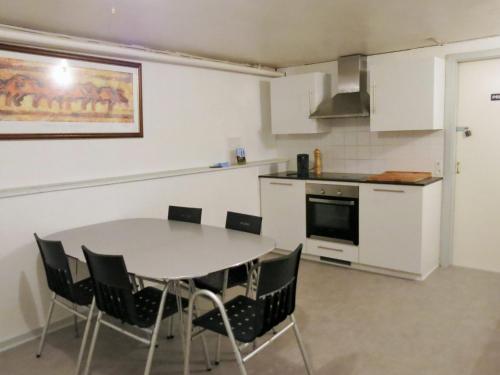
(332, 218)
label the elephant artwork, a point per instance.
(103, 96)
(59, 92)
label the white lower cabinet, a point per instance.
(399, 227)
(283, 209)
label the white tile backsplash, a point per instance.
(350, 147)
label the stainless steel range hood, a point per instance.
(352, 99)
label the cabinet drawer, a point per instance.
(334, 250)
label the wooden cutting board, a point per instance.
(400, 176)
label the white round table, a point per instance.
(166, 250)
(163, 250)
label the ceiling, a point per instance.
(276, 33)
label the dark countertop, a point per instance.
(347, 177)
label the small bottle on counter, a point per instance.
(318, 165)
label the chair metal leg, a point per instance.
(75, 318)
(156, 329)
(307, 363)
(46, 328)
(227, 325)
(180, 311)
(187, 350)
(85, 337)
(75, 323)
(192, 290)
(205, 352)
(92, 343)
(219, 337)
(133, 281)
(170, 328)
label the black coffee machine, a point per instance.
(302, 165)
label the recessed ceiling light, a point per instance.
(113, 10)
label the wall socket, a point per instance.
(438, 171)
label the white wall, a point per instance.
(350, 147)
(190, 116)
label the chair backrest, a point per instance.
(112, 288)
(56, 267)
(243, 222)
(276, 289)
(187, 214)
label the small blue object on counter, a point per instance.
(240, 155)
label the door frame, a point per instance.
(450, 146)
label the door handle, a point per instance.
(281, 183)
(373, 99)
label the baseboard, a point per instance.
(425, 276)
(34, 334)
(361, 267)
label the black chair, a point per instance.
(187, 214)
(243, 319)
(60, 281)
(236, 275)
(115, 297)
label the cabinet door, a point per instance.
(293, 99)
(406, 92)
(390, 226)
(283, 208)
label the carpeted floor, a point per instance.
(353, 323)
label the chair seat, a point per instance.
(147, 302)
(83, 291)
(243, 316)
(215, 281)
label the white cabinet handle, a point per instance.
(282, 183)
(389, 190)
(373, 98)
(330, 248)
(309, 97)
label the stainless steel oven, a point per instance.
(333, 212)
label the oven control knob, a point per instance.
(322, 192)
(339, 193)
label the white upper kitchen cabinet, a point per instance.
(294, 98)
(283, 210)
(406, 92)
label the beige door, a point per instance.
(477, 205)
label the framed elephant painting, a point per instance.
(46, 94)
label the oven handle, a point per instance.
(335, 202)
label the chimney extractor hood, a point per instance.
(352, 99)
